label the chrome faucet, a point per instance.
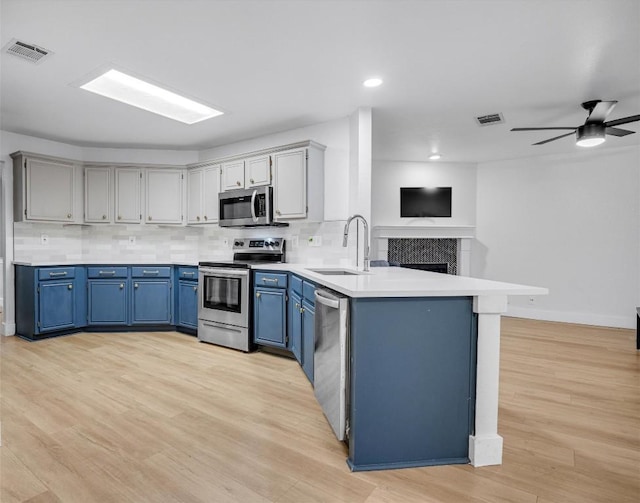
(366, 237)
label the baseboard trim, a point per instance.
(599, 320)
(8, 328)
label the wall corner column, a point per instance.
(485, 445)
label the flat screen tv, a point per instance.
(425, 201)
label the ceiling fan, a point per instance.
(593, 131)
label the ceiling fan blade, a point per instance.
(541, 128)
(553, 139)
(614, 131)
(600, 111)
(624, 120)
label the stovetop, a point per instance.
(250, 253)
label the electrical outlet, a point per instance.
(294, 242)
(132, 240)
(44, 240)
(315, 241)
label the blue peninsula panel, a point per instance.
(412, 388)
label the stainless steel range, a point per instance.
(224, 300)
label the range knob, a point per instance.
(238, 243)
(276, 243)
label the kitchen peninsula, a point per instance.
(424, 351)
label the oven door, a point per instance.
(223, 295)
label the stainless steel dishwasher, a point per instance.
(330, 357)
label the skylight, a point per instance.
(138, 93)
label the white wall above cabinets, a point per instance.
(203, 186)
(46, 189)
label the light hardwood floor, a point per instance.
(159, 417)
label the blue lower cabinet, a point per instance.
(295, 325)
(269, 316)
(49, 300)
(151, 302)
(107, 301)
(187, 307)
(56, 305)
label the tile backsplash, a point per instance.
(155, 244)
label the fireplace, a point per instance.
(439, 248)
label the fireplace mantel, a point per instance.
(431, 231)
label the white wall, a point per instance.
(334, 135)
(389, 176)
(570, 223)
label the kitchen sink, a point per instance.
(335, 272)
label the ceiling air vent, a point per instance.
(488, 120)
(29, 52)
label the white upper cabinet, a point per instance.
(46, 189)
(290, 184)
(298, 183)
(257, 171)
(97, 194)
(127, 195)
(164, 196)
(233, 175)
(203, 186)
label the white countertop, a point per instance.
(378, 282)
(403, 282)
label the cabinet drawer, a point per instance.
(56, 273)
(272, 280)
(308, 290)
(188, 273)
(151, 272)
(296, 284)
(106, 272)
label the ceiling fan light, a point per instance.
(590, 135)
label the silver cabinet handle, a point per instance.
(121, 286)
(111, 273)
(195, 288)
(270, 280)
(135, 285)
(198, 218)
(187, 273)
(150, 272)
(149, 218)
(70, 287)
(104, 217)
(68, 215)
(238, 184)
(205, 217)
(54, 274)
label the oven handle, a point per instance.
(227, 273)
(253, 205)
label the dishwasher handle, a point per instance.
(327, 299)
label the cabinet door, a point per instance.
(56, 305)
(97, 195)
(269, 309)
(50, 190)
(127, 194)
(290, 184)
(195, 192)
(151, 302)
(210, 205)
(233, 175)
(257, 171)
(164, 196)
(187, 304)
(308, 338)
(107, 301)
(295, 326)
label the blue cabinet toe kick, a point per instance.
(406, 464)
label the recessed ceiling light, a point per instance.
(435, 157)
(373, 82)
(138, 93)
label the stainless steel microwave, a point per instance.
(247, 207)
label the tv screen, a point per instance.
(425, 201)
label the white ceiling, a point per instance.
(278, 65)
